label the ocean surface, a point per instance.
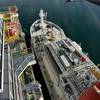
(80, 20)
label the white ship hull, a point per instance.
(66, 69)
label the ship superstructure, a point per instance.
(17, 80)
(67, 70)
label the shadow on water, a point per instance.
(38, 73)
(39, 78)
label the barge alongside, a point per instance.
(17, 80)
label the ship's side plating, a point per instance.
(66, 69)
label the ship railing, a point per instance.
(58, 28)
(21, 55)
(26, 58)
(1, 54)
(22, 52)
(19, 71)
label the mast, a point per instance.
(42, 15)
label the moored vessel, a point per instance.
(17, 80)
(67, 70)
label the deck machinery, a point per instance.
(67, 70)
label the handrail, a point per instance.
(2, 57)
(23, 64)
(21, 54)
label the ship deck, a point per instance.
(66, 60)
(51, 31)
(5, 94)
(8, 87)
